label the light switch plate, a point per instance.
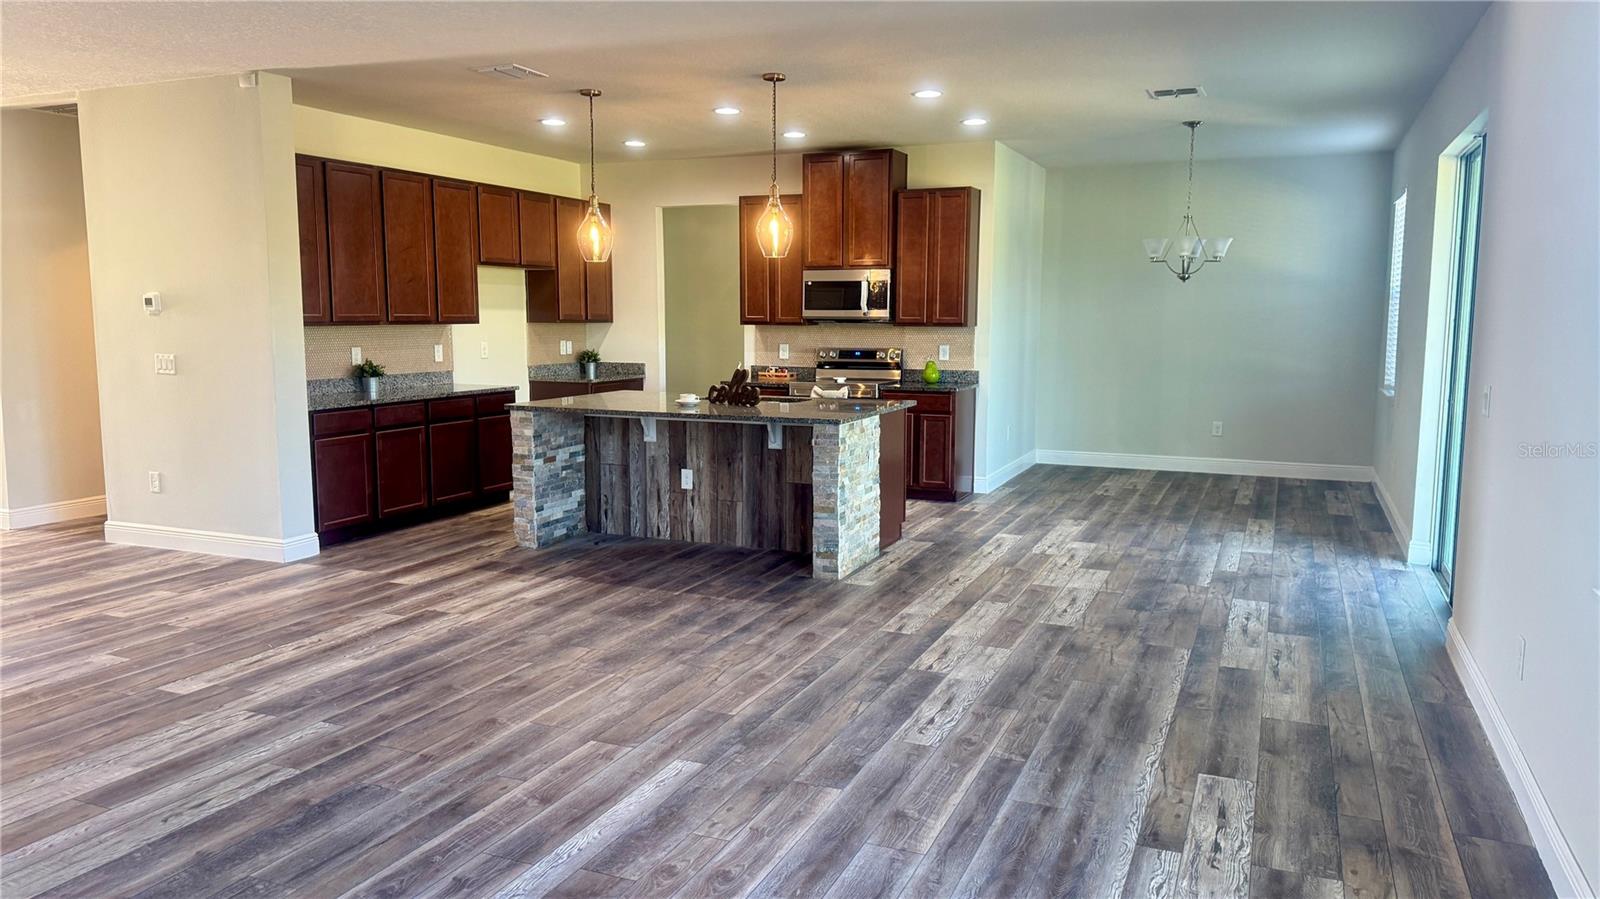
(166, 364)
(783, 351)
(355, 355)
(483, 349)
(438, 352)
(944, 352)
(1216, 429)
(155, 482)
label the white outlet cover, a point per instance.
(944, 352)
(438, 352)
(155, 482)
(686, 478)
(783, 351)
(1216, 429)
(483, 349)
(355, 355)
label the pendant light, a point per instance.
(1194, 251)
(594, 232)
(774, 229)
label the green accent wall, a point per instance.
(700, 251)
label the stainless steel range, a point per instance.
(858, 371)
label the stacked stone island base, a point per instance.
(796, 476)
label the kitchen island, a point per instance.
(824, 477)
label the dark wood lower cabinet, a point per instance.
(380, 467)
(939, 443)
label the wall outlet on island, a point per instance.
(686, 478)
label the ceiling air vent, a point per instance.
(1172, 93)
(509, 70)
(70, 109)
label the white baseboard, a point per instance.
(1006, 472)
(51, 513)
(215, 543)
(1204, 465)
(1559, 861)
(1417, 552)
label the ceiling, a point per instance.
(1063, 83)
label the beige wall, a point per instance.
(1528, 555)
(189, 190)
(700, 263)
(50, 466)
(1280, 342)
(501, 291)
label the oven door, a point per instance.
(834, 298)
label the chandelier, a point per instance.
(1194, 251)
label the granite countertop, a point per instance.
(398, 393)
(919, 386)
(954, 379)
(646, 404)
(570, 373)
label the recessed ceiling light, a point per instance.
(553, 122)
(794, 135)
(974, 121)
(928, 93)
(633, 142)
(726, 110)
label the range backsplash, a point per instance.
(920, 344)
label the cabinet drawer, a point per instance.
(399, 415)
(450, 409)
(341, 421)
(926, 402)
(494, 403)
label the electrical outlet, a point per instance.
(166, 364)
(783, 351)
(686, 478)
(944, 352)
(355, 355)
(438, 352)
(1522, 656)
(155, 482)
(1486, 392)
(1216, 429)
(483, 349)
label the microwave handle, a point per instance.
(866, 290)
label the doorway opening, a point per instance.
(1457, 358)
(700, 268)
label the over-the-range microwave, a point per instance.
(847, 294)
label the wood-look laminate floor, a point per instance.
(1090, 683)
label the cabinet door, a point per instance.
(408, 247)
(355, 243)
(613, 386)
(499, 241)
(788, 275)
(402, 470)
(871, 178)
(343, 470)
(494, 453)
(570, 277)
(755, 270)
(822, 183)
(951, 265)
(549, 390)
(312, 200)
(455, 242)
(536, 226)
(933, 446)
(914, 214)
(453, 460)
(597, 284)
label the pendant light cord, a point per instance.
(774, 135)
(591, 151)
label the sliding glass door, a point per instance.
(1458, 352)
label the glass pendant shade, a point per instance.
(1217, 248)
(1190, 247)
(1156, 248)
(774, 230)
(594, 234)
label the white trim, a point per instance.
(1417, 552)
(1559, 861)
(216, 543)
(52, 513)
(1255, 468)
(993, 482)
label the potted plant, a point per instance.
(589, 363)
(367, 375)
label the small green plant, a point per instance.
(589, 356)
(369, 369)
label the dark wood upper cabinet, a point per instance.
(355, 243)
(770, 289)
(597, 282)
(408, 247)
(936, 256)
(822, 184)
(311, 196)
(499, 237)
(536, 226)
(849, 207)
(455, 243)
(557, 295)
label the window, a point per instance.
(1391, 328)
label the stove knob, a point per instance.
(880, 354)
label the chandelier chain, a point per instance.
(1188, 203)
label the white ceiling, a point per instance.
(1061, 82)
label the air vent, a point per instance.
(70, 109)
(509, 70)
(1172, 93)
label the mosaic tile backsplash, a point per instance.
(401, 349)
(920, 344)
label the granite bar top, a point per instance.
(398, 393)
(569, 372)
(647, 404)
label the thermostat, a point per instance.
(152, 303)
